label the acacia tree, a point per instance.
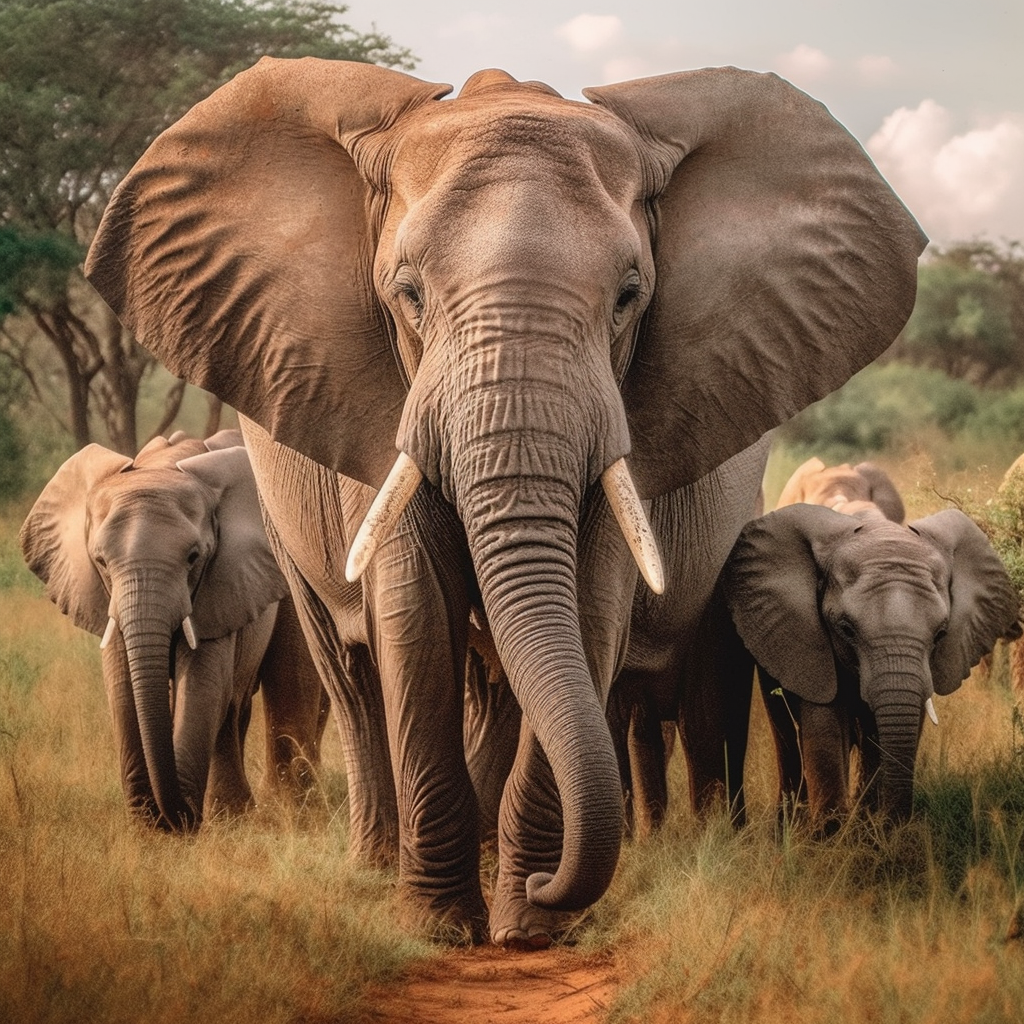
(84, 88)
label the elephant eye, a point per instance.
(192, 556)
(101, 561)
(629, 291)
(940, 634)
(846, 629)
(407, 289)
(412, 295)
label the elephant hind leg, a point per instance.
(296, 707)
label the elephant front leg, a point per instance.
(210, 715)
(783, 709)
(529, 840)
(420, 626)
(825, 746)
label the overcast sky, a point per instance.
(933, 90)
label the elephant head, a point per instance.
(169, 545)
(900, 612)
(839, 487)
(517, 292)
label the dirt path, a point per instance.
(493, 986)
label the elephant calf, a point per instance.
(166, 557)
(855, 621)
(844, 488)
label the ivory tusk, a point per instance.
(189, 629)
(108, 633)
(930, 708)
(625, 503)
(394, 495)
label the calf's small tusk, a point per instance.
(930, 708)
(108, 633)
(394, 495)
(632, 520)
(189, 629)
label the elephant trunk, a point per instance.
(147, 626)
(897, 706)
(522, 537)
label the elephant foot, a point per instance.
(517, 924)
(462, 922)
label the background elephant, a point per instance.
(166, 557)
(860, 620)
(835, 486)
(517, 292)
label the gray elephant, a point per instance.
(166, 557)
(838, 487)
(855, 622)
(565, 319)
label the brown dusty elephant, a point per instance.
(1011, 494)
(855, 622)
(166, 557)
(567, 320)
(837, 486)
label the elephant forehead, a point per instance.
(521, 136)
(881, 552)
(153, 494)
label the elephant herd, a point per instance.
(506, 367)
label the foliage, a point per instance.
(84, 88)
(969, 317)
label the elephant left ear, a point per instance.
(983, 604)
(784, 264)
(243, 577)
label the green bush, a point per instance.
(889, 409)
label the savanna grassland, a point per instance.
(262, 919)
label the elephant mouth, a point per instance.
(405, 476)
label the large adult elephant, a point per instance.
(518, 292)
(165, 556)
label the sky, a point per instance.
(933, 90)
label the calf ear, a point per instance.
(983, 604)
(784, 263)
(243, 577)
(53, 537)
(771, 585)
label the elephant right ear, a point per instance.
(771, 585)
(53, 538)
(239, 250)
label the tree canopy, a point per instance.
(969, 317)
(85, 86)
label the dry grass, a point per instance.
(101, 921)
(263, 919)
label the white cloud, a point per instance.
(804, 64)
(588, 32)
(958, 185)
(875, 69)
